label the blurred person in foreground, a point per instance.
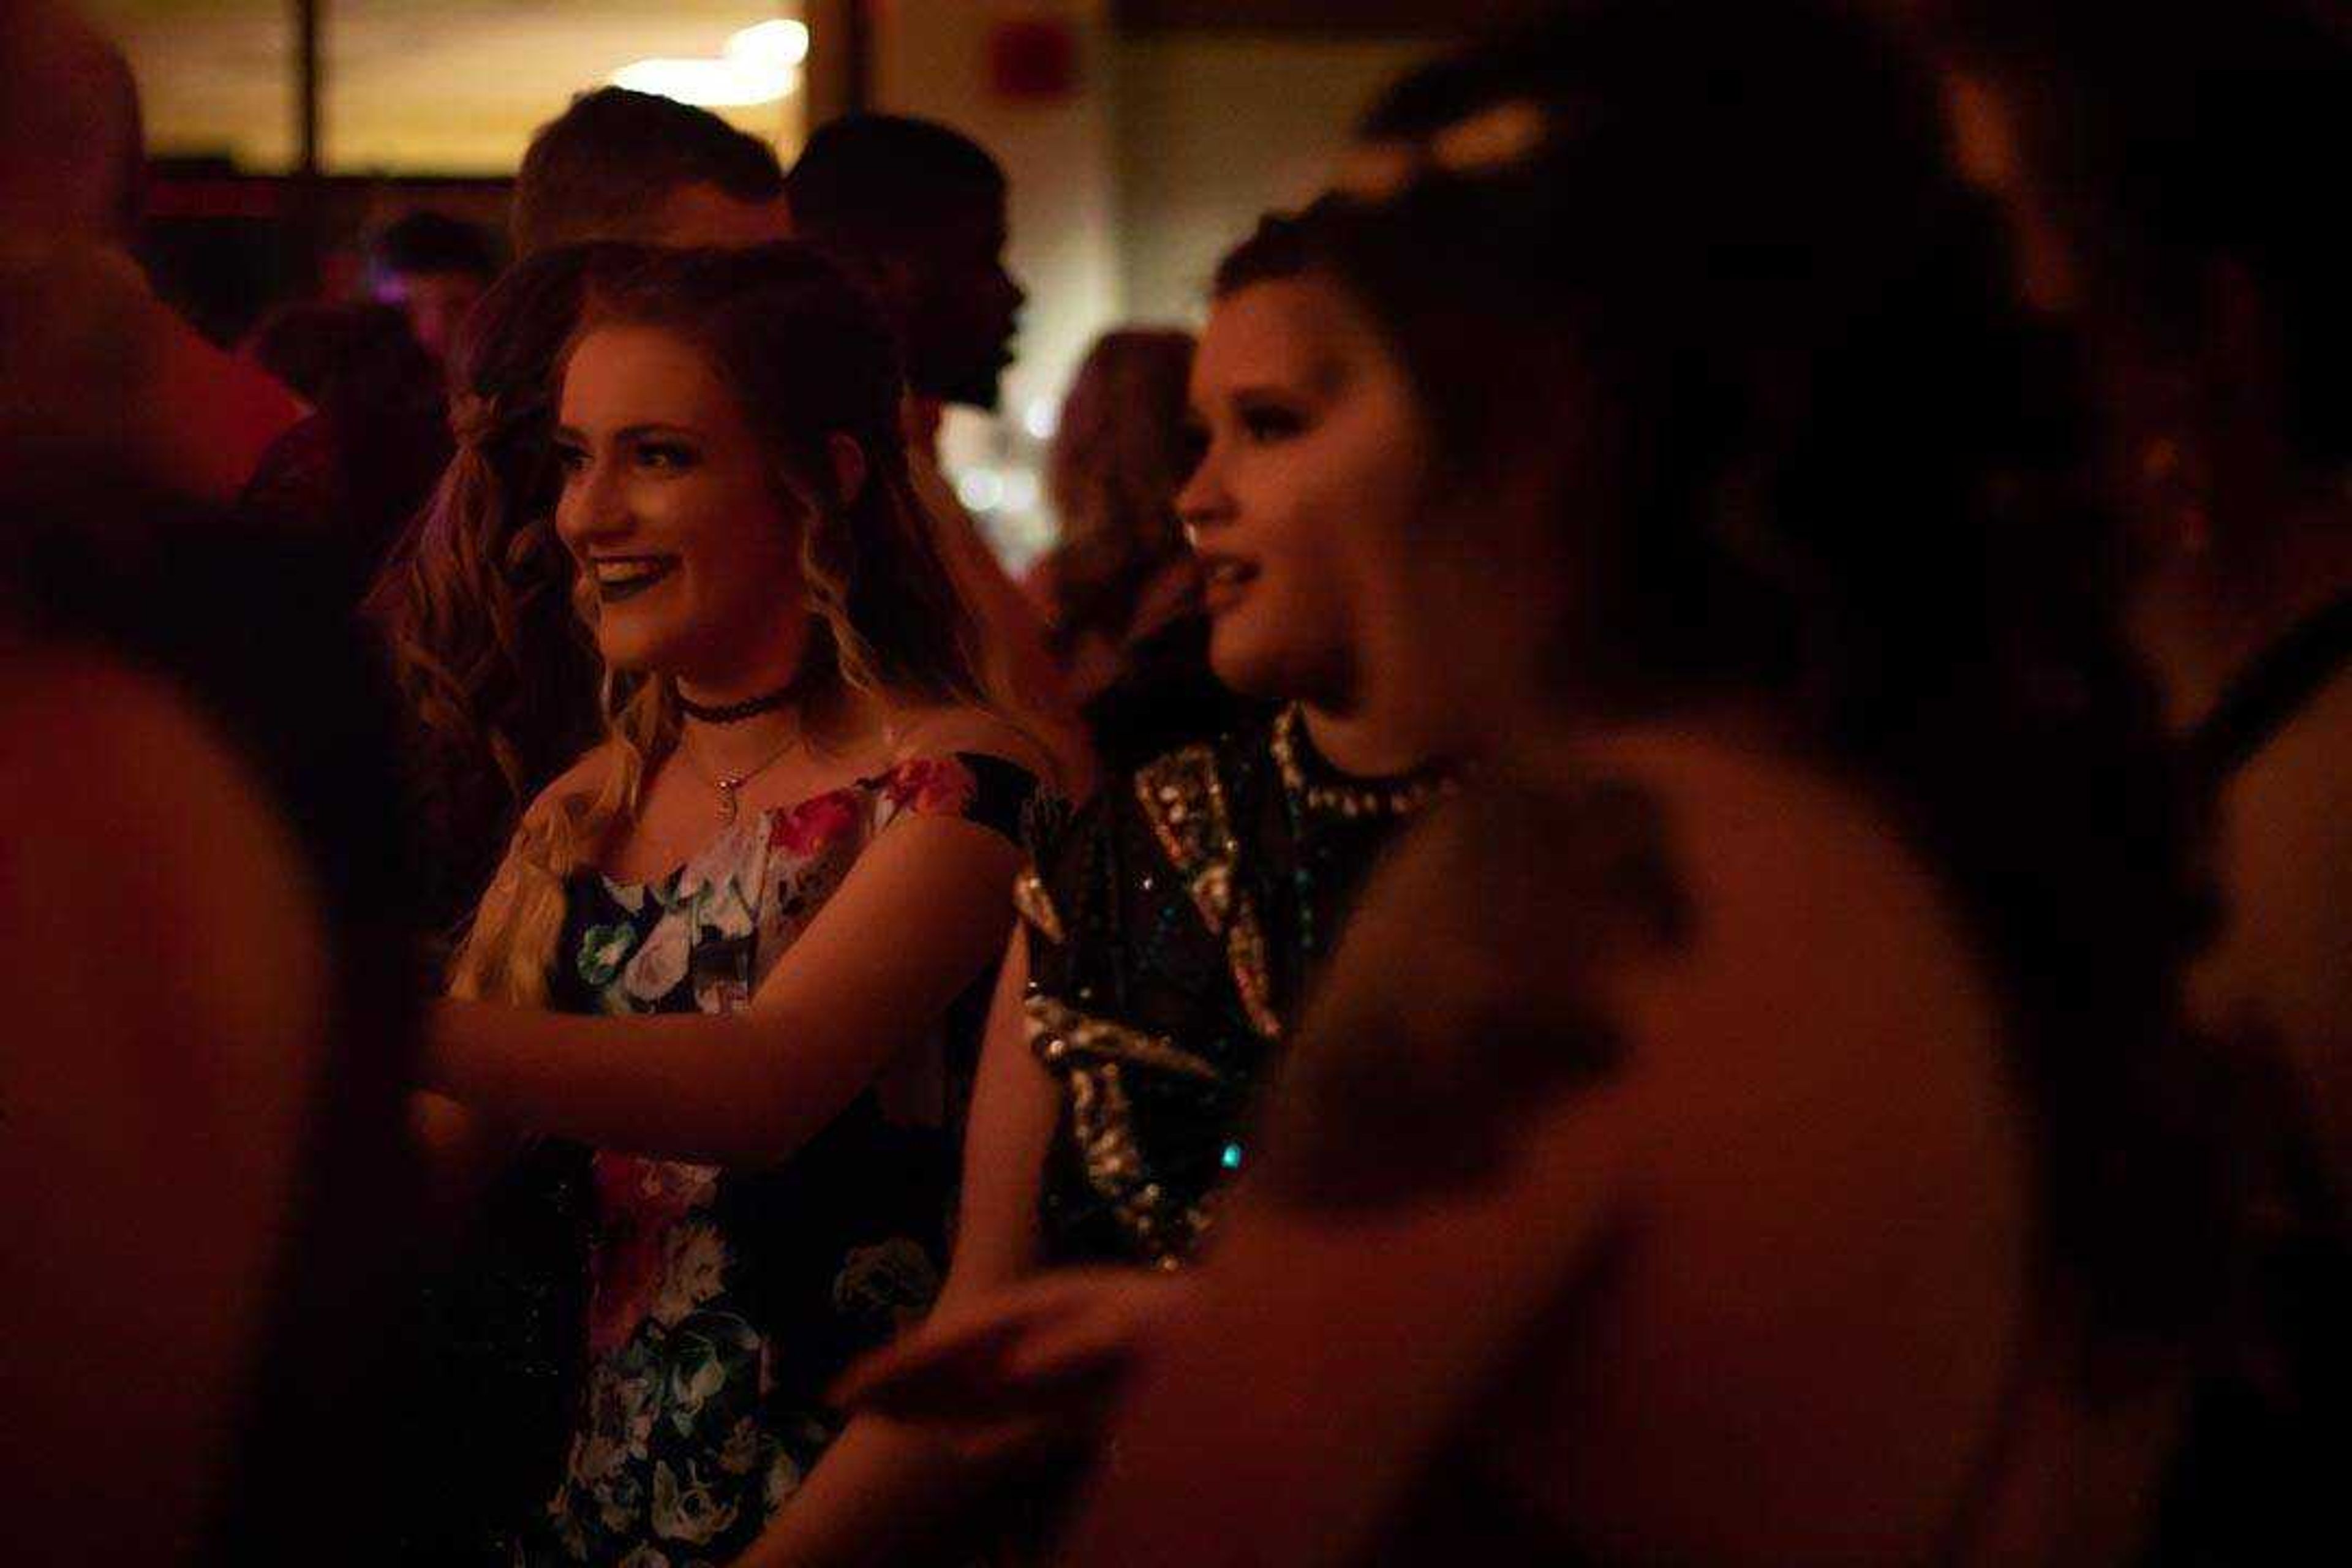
(1755, 1121)
(199, 1101)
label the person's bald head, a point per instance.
(72, 158)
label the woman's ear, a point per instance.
(848, 467)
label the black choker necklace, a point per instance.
(736, 712)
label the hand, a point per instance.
(1021, 1370)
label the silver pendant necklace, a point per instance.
(729, 785)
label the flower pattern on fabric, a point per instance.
(810, 825)
(722, 1303)
(929, 786)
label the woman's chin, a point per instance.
(1248, 665)
(623, 652)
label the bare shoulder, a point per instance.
(1776, 849)
(935, 732)
(1825, 998)
(158, 821)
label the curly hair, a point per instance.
(474, 605)
(807, 359)
(1809, 454)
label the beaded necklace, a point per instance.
(1305, 798)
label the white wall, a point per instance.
(930, 58)
(1123, 195)
(1215, 130)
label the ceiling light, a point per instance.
(761, 64)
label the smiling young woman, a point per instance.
(775, 877)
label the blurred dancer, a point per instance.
(199, 1100)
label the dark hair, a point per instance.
(474, 605)
(1283, 246)
(602, 169)
(2176, 136)
(868, 182)
(428, 241)
(1711, 269)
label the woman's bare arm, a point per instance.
(917, 919)
(888, 1487)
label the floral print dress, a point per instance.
(722, 1302)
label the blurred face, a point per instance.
(672, 511)
(965, 307)
(435, 302)
(1317, 459)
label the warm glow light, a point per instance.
(779, 45)
(761, 64)
(980, 489)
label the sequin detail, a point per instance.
(1183, 800)
(1034, 905)
(1089, 1055)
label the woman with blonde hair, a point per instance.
(776, 876)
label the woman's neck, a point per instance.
(745, 743)
(1363, 740)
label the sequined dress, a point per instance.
(721, 1302)
(1174, 927)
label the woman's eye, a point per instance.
(1267, 422)
(666, 457)
(572, 461)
